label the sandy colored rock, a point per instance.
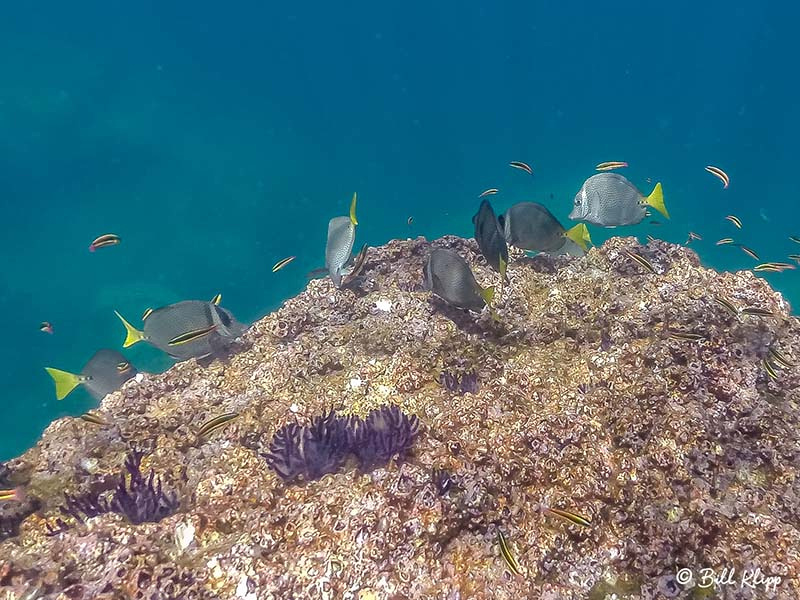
(684, 454)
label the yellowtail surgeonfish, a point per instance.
(188, 329)
(610, 200)
(448, 276)
(105, 372)
(490, 238)
(341, 236)
(531, 226)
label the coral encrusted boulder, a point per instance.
(606, 431)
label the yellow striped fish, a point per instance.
(727, 305)
(724, 241)
(766, 267)
(91, 417)
(282, 263)
(780, 358)
(770, 369)
(642, 261)
(687, 336)
(735, 220)
(571, 517)
(216, 423)
(610, 165)
(505, 551)
(781, 266)
(751, 253)
(757, 312)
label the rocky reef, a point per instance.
(582, 393)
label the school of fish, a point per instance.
(202, 329)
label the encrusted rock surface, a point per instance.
(684, 454)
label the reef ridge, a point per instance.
(579, 395)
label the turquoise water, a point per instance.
(217, 140)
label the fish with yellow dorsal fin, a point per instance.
(341, 236)
(610, 200)
(188, 329)
(105, 372)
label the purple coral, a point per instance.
(140, 500)
(310, 452)
(143, 500)
(467, 382)
(385, 432)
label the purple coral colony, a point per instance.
(567, 467)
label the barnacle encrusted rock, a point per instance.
(684, 454)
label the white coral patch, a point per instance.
(184, 535)
(139, 377)
(355, 383)
(384, 305)
(384, 390)
(241, 589)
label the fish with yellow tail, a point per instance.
(105, 372)
(184, 330)
(531, 226)
(610, 200)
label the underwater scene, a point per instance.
(366, 301)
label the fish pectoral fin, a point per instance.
(353, 219)
(132, 335)
(65, 381)
(580, 235)
(190, 336)
(656, 200)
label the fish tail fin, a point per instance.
(216, 299)
(488, 294)
(133, 335)
(580, 235)
(656, 200)
(503, 269)
(353, 219)
(64, 380)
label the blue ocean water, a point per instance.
(217, 139)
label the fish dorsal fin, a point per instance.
(132, 335)
(353, 219)
(216, 299)
(65, 381)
